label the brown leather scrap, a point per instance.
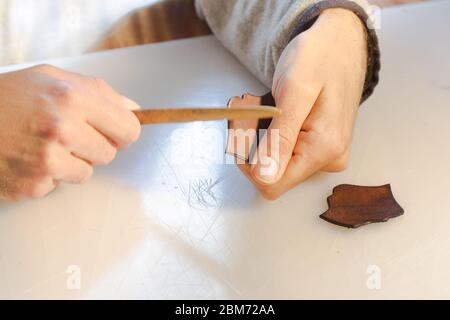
(354, 206)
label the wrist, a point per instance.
(342, 24)
(346, 31)
(345, 22)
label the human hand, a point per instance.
(54, 126)
(318, 85)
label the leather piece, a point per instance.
(354, 206)
(245, 153)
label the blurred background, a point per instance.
(32, 30)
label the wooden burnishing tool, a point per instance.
(155, 116)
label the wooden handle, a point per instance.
(154, 116)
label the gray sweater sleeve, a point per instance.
(257, 31)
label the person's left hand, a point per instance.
(318, 85)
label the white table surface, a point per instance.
(139, 230)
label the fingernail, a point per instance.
(130, 104)
(266, 170)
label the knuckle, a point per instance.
(61, 92)
(336, 148)
(41, 100)
(43, 122)
(63, 133)
(36, 158)
(333, 144)
(339, 165)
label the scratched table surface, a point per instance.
(168, 220)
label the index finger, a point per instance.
(277, 146)
(105, 109)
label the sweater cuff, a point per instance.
(310, 15)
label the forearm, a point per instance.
(257, 31)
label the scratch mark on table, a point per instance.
(202, 192)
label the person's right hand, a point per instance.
(54, 126)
